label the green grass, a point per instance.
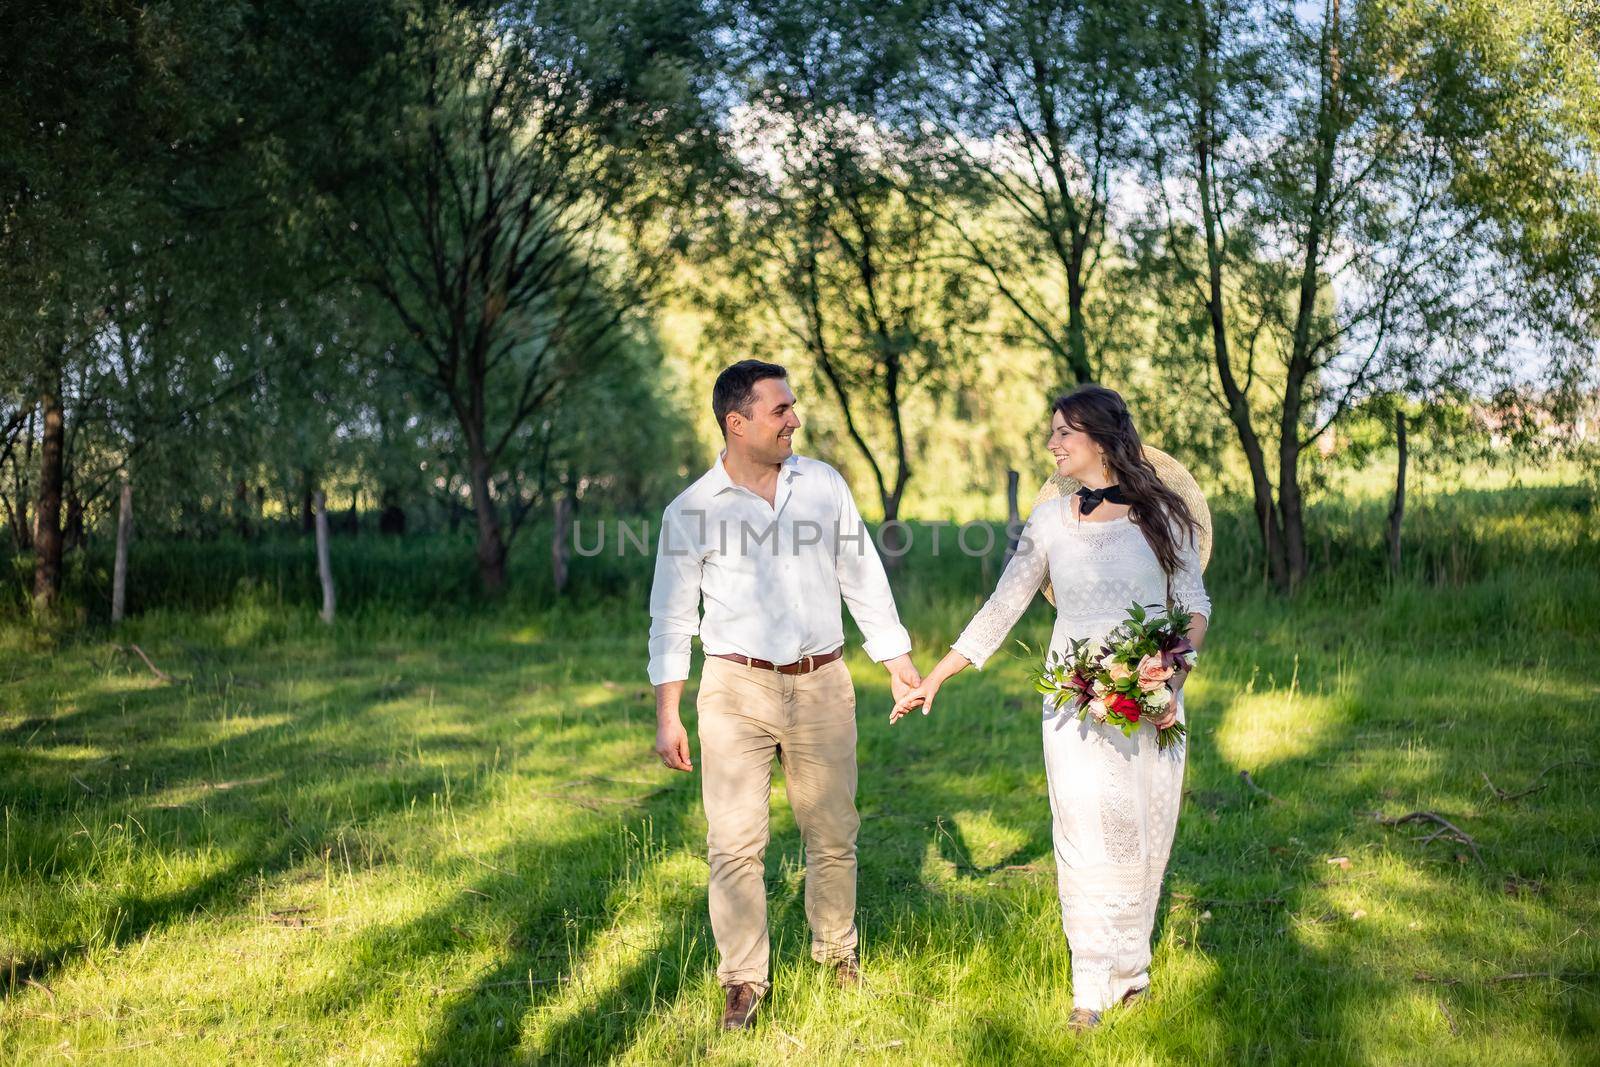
(438, 836)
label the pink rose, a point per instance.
(1153, 673)
(1119, 672)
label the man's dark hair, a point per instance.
(736, 388)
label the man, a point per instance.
(770, 541)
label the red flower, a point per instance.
(1122, 705)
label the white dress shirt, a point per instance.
(771, 575)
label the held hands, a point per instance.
(919, 696)
(903, 675)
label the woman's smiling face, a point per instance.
(1075, 452)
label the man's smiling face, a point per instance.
(767, 433)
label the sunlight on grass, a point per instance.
(75, 754)
(422, 840)
(1260, 729)
(641, 904)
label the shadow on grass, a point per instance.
(556, 935)
(1328, 936)
(294, 799)
(1266, 952)
(607, 928)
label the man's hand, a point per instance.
(672, 745)
(903, 675)
(672, 740)
(918, 696)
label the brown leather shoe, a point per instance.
(739, 1010)
(1082, 1019)
(847, 973)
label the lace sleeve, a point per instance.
(1187, 587)
(1021, 579)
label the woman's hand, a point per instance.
(919, 696)
(1175, 683)
(1161, 722)
(1179, 676)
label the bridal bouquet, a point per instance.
(1128, 676)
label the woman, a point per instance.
(1125, 537)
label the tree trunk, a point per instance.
(324, 561)
(1291, 509)
(1078, 367)
(308, 502)
(902, 471)
(1013, 515)
(392, 519)
(241, 510)
(896, 539)
(491, 545)
(11, 521)
(119, 569)
(1268, 517)
(21, 524)
(558, 542)
(1290, 504)
(47, 539)
(73, 535)
(1268, 520)
(21, 464)
(1397, 509)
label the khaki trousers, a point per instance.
(746, 716)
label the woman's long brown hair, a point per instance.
(1160, 513)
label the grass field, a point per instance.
(437, 836)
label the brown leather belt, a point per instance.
(803, 665)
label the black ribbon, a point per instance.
(1089, 499)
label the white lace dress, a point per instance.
(1113, 799)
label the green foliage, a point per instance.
(381, 248)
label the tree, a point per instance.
(72, 126)
(515, 190)
(1030, 108)
(120, 186)
(856, 275)
(832, 238)
(1308, 201)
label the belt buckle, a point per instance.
(806, 665)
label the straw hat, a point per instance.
(1171, 472)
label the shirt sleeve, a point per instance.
(864, 585)
(674, 601)
(1024, 575)
(1188, 589)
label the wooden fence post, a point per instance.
(324, 563)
